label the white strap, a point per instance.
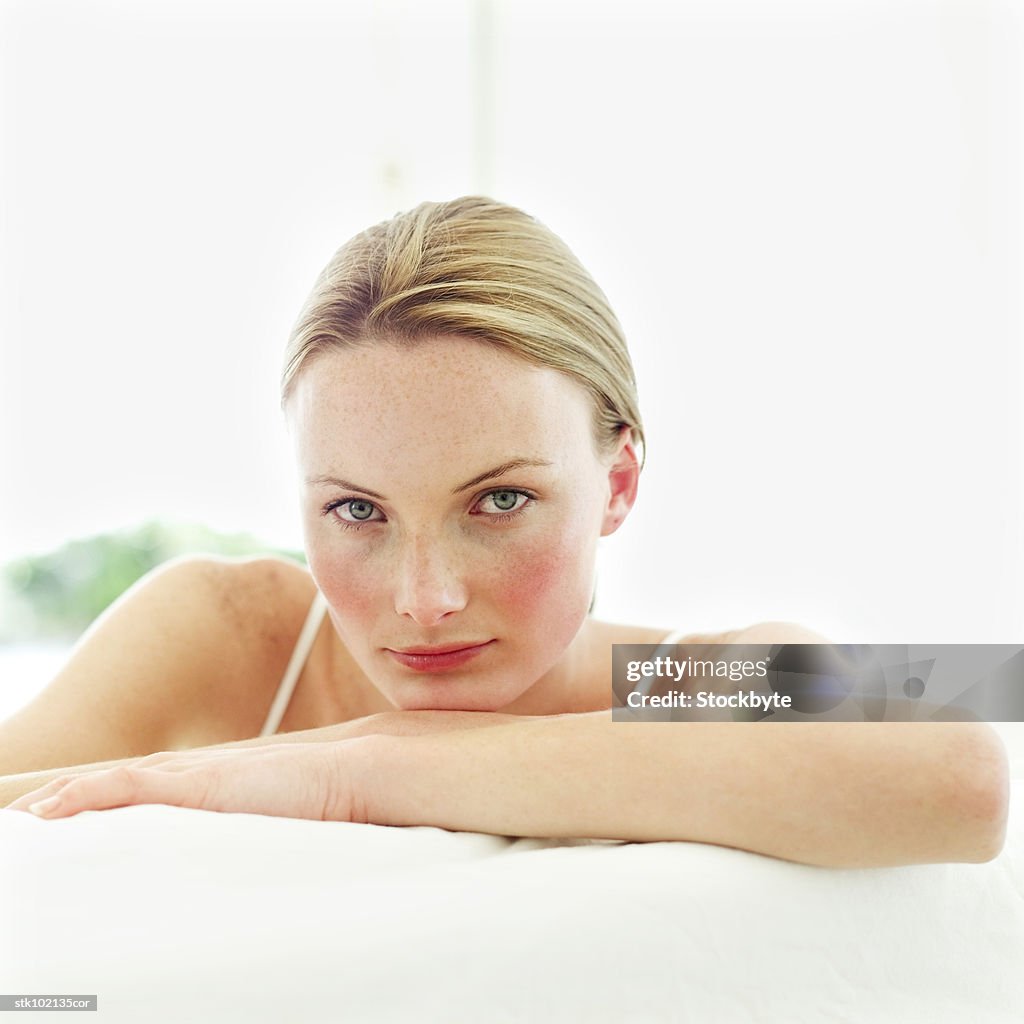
(291, 674)
(673, 638)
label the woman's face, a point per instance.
(452, 498)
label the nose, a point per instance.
(428, 586)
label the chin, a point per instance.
(435, 693)
(437, 702)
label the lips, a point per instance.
(437, 650)
(437, 659)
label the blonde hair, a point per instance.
(475, 268)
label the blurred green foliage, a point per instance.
(55, 596)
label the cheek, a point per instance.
(345, 582)
(549, 579)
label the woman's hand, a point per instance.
(320, 781)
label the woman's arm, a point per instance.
(834, 794)
(840, 794)
(390, 723)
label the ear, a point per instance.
(623, 479)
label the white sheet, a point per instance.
(171, 915)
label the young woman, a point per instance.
(465, 424)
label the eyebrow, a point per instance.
(505, 467)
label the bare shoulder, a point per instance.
(248, 606)
(170, 652)
(263, 596)
(777, 633)
(262, 603)
(605, 633)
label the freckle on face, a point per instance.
(536, 583)
(529, 586)
(545, 586)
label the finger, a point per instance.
(43, 792)
(166, 760)
(169, 760)
(117, 787)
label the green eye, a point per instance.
(505, 501)
(361, 510)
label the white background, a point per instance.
(807, 216)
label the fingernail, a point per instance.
(43, 807)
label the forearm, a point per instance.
(829, 794)
(389, 723)
(386, 723)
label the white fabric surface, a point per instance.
(169, 914)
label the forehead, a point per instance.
(462, 395)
